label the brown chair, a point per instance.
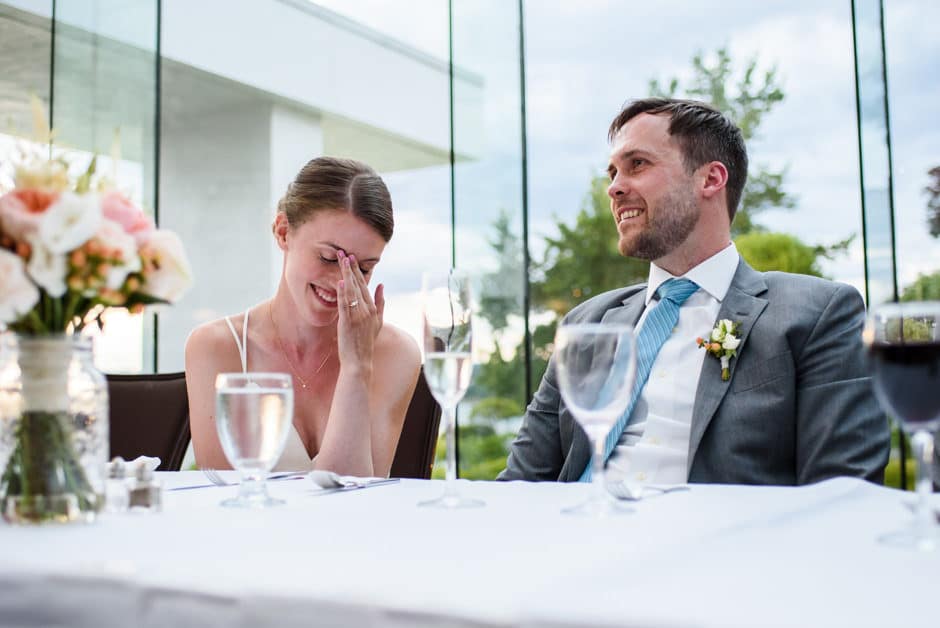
(414, 456)
(149, 417)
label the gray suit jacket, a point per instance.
(798, 408)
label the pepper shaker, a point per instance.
(146, 493)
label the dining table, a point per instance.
(712, 555)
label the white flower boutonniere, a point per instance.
(722, 343)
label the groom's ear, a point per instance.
(716, 178)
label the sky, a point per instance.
(584, 59)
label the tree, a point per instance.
(501, 293)
(746, 101)
(765, 251)
(583, 260)
(925, 288)
(933, 201)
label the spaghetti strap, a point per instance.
(241, 343)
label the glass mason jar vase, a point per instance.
(53, 429)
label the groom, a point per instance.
(797, 405)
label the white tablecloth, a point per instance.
(714, 556)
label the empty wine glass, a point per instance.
(595, 364)
(903, 340)
(254, 412)
(448, 331)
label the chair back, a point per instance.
(414, 456)
(149, 416)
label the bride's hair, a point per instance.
(345, 184)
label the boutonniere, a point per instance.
(723, 344)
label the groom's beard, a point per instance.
(668, 227)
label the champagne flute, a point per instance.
(254, 412)
(595, 364)
(448, 331)
(903, 340)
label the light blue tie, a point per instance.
(655, 331)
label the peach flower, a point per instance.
(21, 211)
(167, 273)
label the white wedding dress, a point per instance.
(295, 456)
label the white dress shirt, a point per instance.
(654, 447)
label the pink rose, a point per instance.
(115, 206)
(21, 211)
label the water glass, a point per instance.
(595, 364)
(447, 311)
(254, 412)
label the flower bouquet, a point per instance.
(69, 248)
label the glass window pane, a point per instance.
(241, 116)
(913, 53)
(102, 98)
(803, 189)
(488, 225)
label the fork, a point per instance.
(633, 492)
(215, 477)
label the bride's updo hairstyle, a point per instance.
(344, 184)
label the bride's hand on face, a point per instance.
(360, 316)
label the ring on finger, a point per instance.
(354, 303)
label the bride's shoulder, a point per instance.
(214, 334)
(397, 346)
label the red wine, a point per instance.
(907, 382)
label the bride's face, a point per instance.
(311, 269)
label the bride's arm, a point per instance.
(370, 399)
(205, 359)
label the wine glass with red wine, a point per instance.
(903, 340)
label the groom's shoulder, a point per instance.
(806, 291)
(594, 308)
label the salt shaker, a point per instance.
(146, 493)
(115, 492)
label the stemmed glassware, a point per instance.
(595, 364)
(448, 332)
(253, 416)
(903, 340)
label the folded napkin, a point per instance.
(149, 462)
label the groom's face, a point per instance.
(651, 194)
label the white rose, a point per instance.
(112, 234)
(726, 325)
(70, 222)
(18, 294)
(47, 268)
(730, 343)
(171, 274)
(718, 333)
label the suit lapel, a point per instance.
(741, 305)
(628, 313)
(579, 454)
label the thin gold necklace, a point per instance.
(277, 336)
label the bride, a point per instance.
(353, 376)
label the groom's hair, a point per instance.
(704, 134)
